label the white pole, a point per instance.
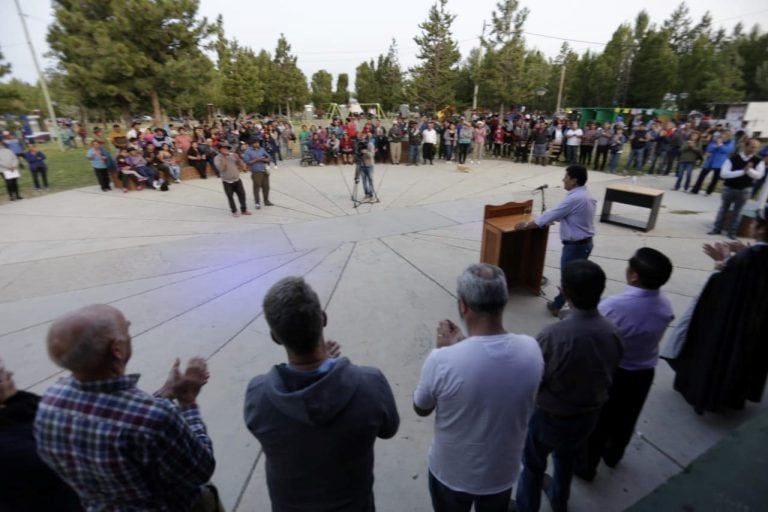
(54, 130)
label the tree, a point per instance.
(5, 67)
(322, 88)
(502, 75)
(433, 80)
(117, 53)
(341, 94)
(753, 50)
(654, 70)
(287, 85)
(366, 84)
(241, 81)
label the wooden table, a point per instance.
(519, 253)
(633, 195)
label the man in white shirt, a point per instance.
(429, 141)
(573, 137)
(484, 390)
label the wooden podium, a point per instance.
(519, 253)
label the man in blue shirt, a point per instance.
(257, 159)
(641, 314)
(576, 213)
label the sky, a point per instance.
(338, 35)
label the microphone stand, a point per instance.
(544, 279)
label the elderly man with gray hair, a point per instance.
(124, 449)
(484, 389)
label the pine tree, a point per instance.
(341, 94)
(287, 85)
(433, 79)
(654, 70)
(322, 88)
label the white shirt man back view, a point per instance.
(484, 390)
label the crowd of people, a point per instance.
(502, 402)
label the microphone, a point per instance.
(541, 187)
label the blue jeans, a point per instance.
(413, 154)
(571, 153)
(613, 162)
(684, 169)
(635, 156)
(731, 197)
(445, 499)
(571, 253)
(366, 174)
(564, 438)
(448, 151)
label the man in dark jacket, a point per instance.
(318, 415)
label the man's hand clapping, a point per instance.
(185, 387)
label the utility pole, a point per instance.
(560, 89)
(477, 71)
(55, 128)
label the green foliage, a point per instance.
(286, 84)
(5, 67)
(433, 79)
(654, 69)
(753, 50)
(241, 79)
(322, 88)
(341, 94)
(380, 82)
(18, 97)
(118, 53)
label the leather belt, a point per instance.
(578, 242)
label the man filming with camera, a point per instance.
(365, 154)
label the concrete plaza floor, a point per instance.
(191, 278)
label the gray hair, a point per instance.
(294, 314)
(483, 288)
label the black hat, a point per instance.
(224, 144)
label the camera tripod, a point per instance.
(366, 200)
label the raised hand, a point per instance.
(448, 333)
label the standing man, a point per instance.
(228, 164)
(99, 158)
(576, 213)
(318, 415)
(367, 153)
(257, 158)
(637, 145)
(581, 354)
(396, 141)
(414, 142)
(429, 136)
(9, 166)
(573, 137)
(484, 389)
(641, 314)
(739, 173)
(118, 447)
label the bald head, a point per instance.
(90, 342)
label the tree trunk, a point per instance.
(127, 119)
(157, 113)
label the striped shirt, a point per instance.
(122, 449)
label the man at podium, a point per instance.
(576, 213)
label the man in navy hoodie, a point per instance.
(318, 415)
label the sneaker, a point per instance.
(269, 203)
(177, 180)
(552, 308)
(257, 206)
(246, 212)
(156, 184)
(322, 164)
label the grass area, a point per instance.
(66, 170)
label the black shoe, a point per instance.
(731, 236)
(586, 474)
(267, 203)
(552, 308)
(713, 232)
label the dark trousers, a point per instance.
(235, 188)
(585, 155)
(463, 150)
(201, 167)
(572, 253)
(601, 152)
(40, 176)
(733, 200)
(564, 438)
(700, 181)
(12, 186)
(445, 499)
(618, 417)
(102, 175)
(260, 183)
(571, 154)
(429, 152)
